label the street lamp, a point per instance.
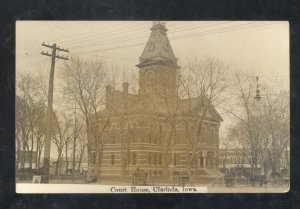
(257, 95)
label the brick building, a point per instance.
(153, 129)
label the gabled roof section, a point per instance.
(158, 47)
(195, 106)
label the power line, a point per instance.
(116, 34)
(112, 40)
(209, 32)
(202, 33)
(116, 31)
(115, 39)
(220, 30)
(105, 33)
(145, 35)
(80, 34)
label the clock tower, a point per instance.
(158, 64)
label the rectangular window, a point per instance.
(133, 158)
(150, 158)
(174, 159)
(94, 158)
(160, 159)
(112, 159)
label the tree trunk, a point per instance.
(27, 153)
(225, 159)
(31, 149)
(73, 160)
(80, 159)
(89, 139)
(18, 155)
(99, 164)
(58, 164)
(18, 159)
(39, 157)
(37, 151)
(23, 155)
(67, 163)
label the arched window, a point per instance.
(149, 80)
(203, 133)
(212, 131)
(150, 137)
(134, 125)
(151, 46)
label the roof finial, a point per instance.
(159, 23)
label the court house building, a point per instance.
(155, 130)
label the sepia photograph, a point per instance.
(152, 107)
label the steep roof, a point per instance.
(195, 106)
(146, 104)
(158, 47)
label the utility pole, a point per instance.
(49, 129)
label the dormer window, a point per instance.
(166, 47)
(151, 46)
(147, 88)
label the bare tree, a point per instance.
(80, 148)
(274, 117)
(199, 87)
(40, 140)
(169, 107)
(62, 136)
(85, 84)
(30, 112)
(77, 128)
(262, 125)
(203, 84)
(21, 132)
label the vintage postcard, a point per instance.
(152, 107)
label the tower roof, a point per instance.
(158, 47)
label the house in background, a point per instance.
(25, 157)
(65, 166)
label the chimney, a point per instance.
(109, 89)
(125, 87)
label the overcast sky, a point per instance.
(261, 47)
